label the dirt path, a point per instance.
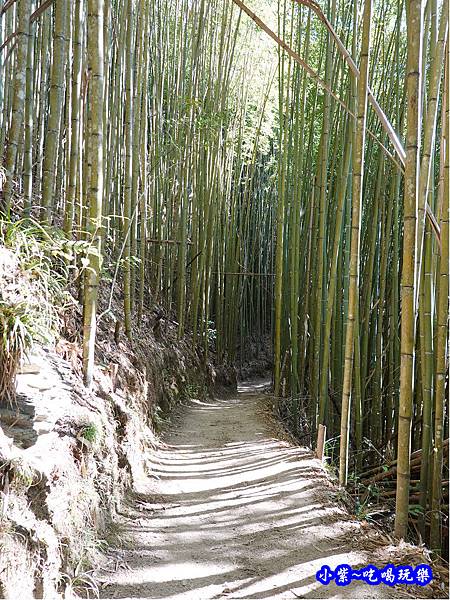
(236, 513)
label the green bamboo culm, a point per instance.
(95, 14)
(52, 132)
(357, 190)
(18, 101)
(414, 19)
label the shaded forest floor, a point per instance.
(235, 510)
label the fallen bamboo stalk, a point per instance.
(374, 470)
(390, 472)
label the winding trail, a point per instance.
(235, 511)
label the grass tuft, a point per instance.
(35, 262)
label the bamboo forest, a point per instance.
(224, 246)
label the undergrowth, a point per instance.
(35, 267)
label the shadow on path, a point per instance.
(232, 511)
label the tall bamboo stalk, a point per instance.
(52, 133)
(408, 324)
(95, 153)
(18, 102)
(357, 190)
